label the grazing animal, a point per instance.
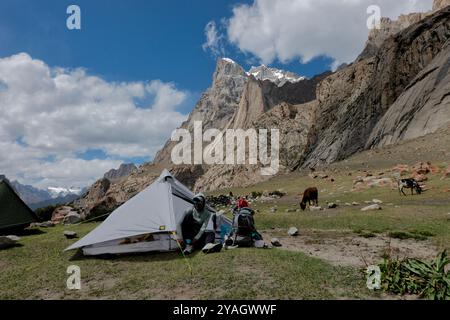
(409, 184)
(310, 195)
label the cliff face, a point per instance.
(422, 108)
(352, 101)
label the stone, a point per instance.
(273, 209)
(354, 203)
(376, 201)
(60, 213)
(46, 224)
(70, 234)
(276, 242)
(332, 206)
(372, 207)
(313, 208)
(293, 232)
(72, 218)
(290, 210)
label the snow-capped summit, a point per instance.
(229, 60)
(279, 77)
(56, 192)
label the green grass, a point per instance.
(37, 269)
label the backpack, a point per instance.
(244, 229)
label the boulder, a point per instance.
(276, 242)
(8, 241)
(372, 207)
(419, 177)
(70, 234)
(60, 213)
(422, 168)
(401, 169)
(72, 218)
(46, 224)
(293, 232)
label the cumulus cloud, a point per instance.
(49, 115)
(214, 40)
(285, 30)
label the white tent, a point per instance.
(150, 221)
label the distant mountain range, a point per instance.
(38, 198)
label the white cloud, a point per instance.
(303, 29)
(53, 112)
(214, 40)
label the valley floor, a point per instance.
(326, 261)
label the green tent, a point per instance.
(14, 213)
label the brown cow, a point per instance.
(310, 195)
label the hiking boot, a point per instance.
(212, 248)
(188, 250)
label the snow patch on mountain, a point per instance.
(56, 192)
(277, 76)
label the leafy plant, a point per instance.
(414, 276)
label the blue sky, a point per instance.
(113, 91)
(125, 40)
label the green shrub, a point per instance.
(45, 214)
(413, 276)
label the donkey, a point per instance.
(310, 195)
(409, 184)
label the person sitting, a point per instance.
(198, 226)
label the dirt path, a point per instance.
(344, 248)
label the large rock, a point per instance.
(60, 213)
(45, 224)
(72, 218)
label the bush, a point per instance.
(45, 214)
(413, 276)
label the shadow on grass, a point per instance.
(17, 245)
(133, 257)
(23, 232)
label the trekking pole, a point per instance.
(184, 256)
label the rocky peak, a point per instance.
(226, 68)
(440, 4)
(123, 171)
(391, 27)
